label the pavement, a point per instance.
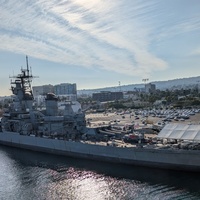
(98, 119)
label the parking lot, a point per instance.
(142, 118)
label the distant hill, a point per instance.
(161, 85)
(178, 83)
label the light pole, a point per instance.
(119, 86)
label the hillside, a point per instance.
(161, 85)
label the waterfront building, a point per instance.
(42, 90)
(66, 90)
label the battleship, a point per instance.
(65, 132)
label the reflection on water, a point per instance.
(30, 175)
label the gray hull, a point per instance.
(169, 159)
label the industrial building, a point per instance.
(107, 96)
(150, 87)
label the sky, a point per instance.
(99, 43)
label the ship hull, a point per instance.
(188, 160)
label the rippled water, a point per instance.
(27, 175)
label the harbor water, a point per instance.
(26, 175)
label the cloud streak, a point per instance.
(114, 36)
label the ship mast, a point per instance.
(27, 65)
(28, 88)
(22, 84)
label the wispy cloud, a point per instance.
(196, 52)
(110, 35)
